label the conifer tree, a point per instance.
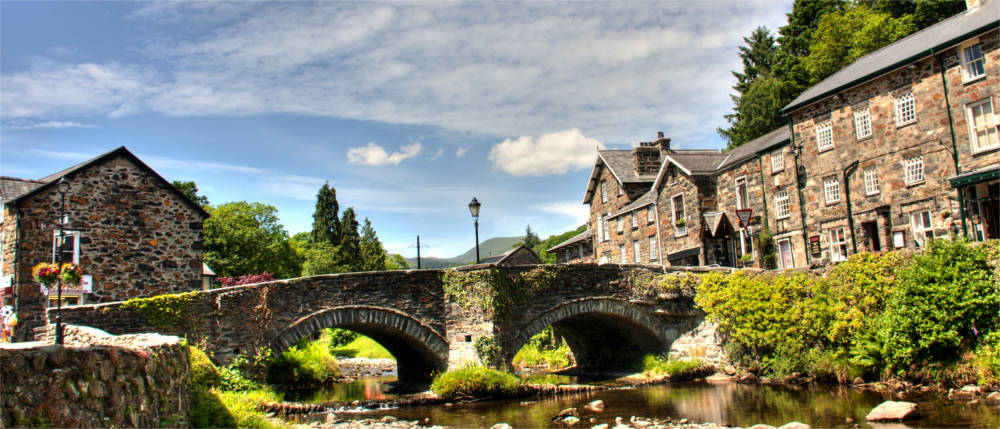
(350, 241)
(373, 256)
(326, 224)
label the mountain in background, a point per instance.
(491, 247)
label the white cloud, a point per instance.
(47, 125)
(553, 153)
(373, 154)
(461, 152)
(571, 209)
(437, 154)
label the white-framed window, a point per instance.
(69, 247)
(579, 253)
(785, 254)
(777, 161)
(600, 228)
(871, 181)
(831, 190)
(972, 62)
(742, 193)
(621, 258)
(923, 228)
(679, 215)
(652, 248)
(620, 223)
(984, 125)
(650, 215)
(906, 110)
(636, 252)
(604, 191)
(824, 136)
(862, 124)
(913, 169)
(604, 221)
(635, 219)
(838, 244)
(781, 203)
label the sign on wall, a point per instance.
(814, 247)
(86, 286)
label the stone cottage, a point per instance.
(132, 232)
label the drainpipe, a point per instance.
(763, 186)
(847, 195)
(659, 240)
(954, 145)
(798, 185)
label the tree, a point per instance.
(796, 38)
(760, 95)
(190, 190)
(350, 241)
(530, 238)
(396, 262)
(244, 238)
(542, 248)
(925, 12)
(841, 38)
(373, 256)
(758, 58)
(326, 224)
(322, 258)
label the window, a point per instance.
(635, 219)
(983, 126)
(579, 253)
(650, 214)
(620, 188)
(600, 229)
(621, 259)
(781, 202)
(905, 110)
(871, 181)
(680, 220)
(604, 191)
(913, 169)
(824, 136)
(862, 124)
(831, 189)
(652, 248)
(605, 257)
(923, 229)
(604, 221)
(972, 63)
(742, 196)
(635, 251)
(838, 244)
(70, 248)
(777, 161)
(621, 223)
(785, 259)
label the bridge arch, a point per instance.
(603, 333)
(418, 349)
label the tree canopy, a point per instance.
(244, 238)
(190, 189)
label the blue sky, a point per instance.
(407, 109)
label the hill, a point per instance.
(491, 247)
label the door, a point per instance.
(785, 254)
(870, 231)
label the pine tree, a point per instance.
(350, 241)
(326, 224)
(760, 95)
(758, 58)
(530, 238)
(373, 256)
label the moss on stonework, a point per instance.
(167, 312)
(494, 291)
(648, 284)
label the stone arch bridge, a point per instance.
(431, 320)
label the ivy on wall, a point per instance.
(167, 312)
(495, 291)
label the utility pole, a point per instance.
(418, 252)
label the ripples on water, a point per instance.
(726, 403)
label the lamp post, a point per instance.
(474, 209)
(63, 188)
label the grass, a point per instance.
(475, 382)
(533, 356)
(657, 365)
(306, 363)
(213, 407)
(363, 347)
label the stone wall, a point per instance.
(136, 237)
(95, 380)
(680, 238)
(618, 196)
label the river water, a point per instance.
(725, 403)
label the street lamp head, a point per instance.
(474, 207)
(63, 185)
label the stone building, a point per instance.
(579, 249)
(520, 255)
(132, 232)
(900, 146)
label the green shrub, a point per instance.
(534, 356)
(306, 363)
(363, 347)
(986, 361)
(474, 382)
(487, 350)
(203, 371)
(661, 365)
(341, 337)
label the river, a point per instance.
(724, 403)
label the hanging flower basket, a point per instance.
(45, 273)
(71, 274)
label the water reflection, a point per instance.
(358, 390)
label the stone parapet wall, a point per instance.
(95, 380)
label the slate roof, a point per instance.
(697, 161)
(12, 188)
(581, 237)
(904, 51)
(499, 259)
(623, 167)
(750, 149)
(643, 201)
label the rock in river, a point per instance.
(893, 410)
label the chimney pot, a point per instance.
(659, 134)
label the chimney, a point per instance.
(973, 4)
(646, 156)
(662, 142)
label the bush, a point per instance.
(203, 371)
(661, 365)
(341, 337)
(213, 406)
(306, 363)
(474, 382)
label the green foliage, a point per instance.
(350, 241)
(242, 406)
(475, 382)
(986, 361)
(530, 238)
(215, 402)
(190, 190)
(488, 351)
(396, 262)
(768, 250)
(841, 38)
(494, 291)
(321, 258)
(326, 218)
(542, 248)
(657, 365)
(306, 363)
(244, 238)
(203, 371)
(207, 409)
(545, 349)
(363, 347)
(340, 337)
(167, 312)
(373, 255)
(942, 301)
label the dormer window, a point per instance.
(972, 63)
